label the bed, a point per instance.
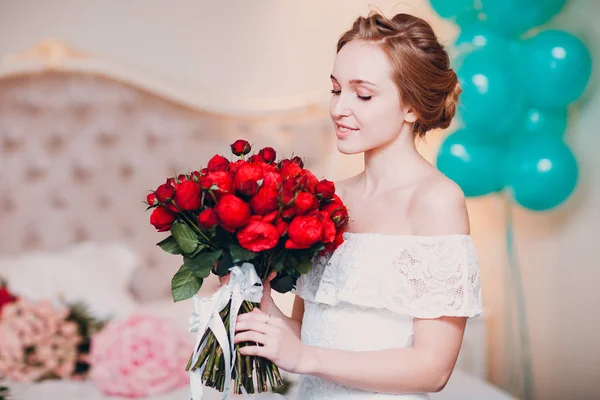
(81, 143)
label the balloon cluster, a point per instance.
(516, 92)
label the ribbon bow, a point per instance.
(244, 285)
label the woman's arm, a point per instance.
(423, 368)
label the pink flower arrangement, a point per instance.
(37, 342)
(140, 356)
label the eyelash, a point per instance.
(363, 98)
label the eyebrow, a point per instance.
(355, 81)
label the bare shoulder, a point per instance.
(438, 207)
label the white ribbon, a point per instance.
(244, 285)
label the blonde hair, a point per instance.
(421, 66)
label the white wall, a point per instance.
(256, 55)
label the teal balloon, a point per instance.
(491, 99)
(514, 17)
(451, 8)
(475, 166)
(537, 122)
(541, 173)
(557, 67)
(477, 35)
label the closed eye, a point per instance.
(363, 98)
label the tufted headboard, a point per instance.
(80, 149)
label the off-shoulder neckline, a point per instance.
(407, 236)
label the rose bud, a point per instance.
(165, 192)
(223, 181)
(329, 231)
(232, 211)
(235, 166)
(288, 213)
(256, 159)
(248, 188)
(308, 181)
(188, 196)
(258, 236)
(289, 169)
(195, 176)
(217, 163)
(151, 199)
(304, 202)
(240, 147)
(282, 227)
(298, 161)
(207, 219)
(287, 197)
(268, 154)
(173, 182)
(162, 219)
(182, 178)
(340, 216)
(325, 190)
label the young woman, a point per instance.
(384, 315)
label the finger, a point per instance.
(254, 326)
(250, 336)
(271, 276)
(256, 314)
(254, 351)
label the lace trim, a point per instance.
(422, 276)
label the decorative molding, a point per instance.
(55, 55)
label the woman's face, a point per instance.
(365, 106)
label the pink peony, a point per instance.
(140, 356)
(36, 342)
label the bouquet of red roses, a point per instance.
(249, 218)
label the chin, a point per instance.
(348, 146)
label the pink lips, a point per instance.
(343, 131)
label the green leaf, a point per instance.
(239, 254)
(203, 263)
(169, 245)
(225, 263)
(184, 235)
(201, 246)
(279, 264)
(184, 284)
(304, 265)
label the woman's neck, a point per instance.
(397, 163)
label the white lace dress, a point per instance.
(365, 295)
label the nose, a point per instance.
(338, 107)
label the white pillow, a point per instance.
(97, 274)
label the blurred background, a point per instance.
(100, 100)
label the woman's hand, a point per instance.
(267, 304)
(277, 340)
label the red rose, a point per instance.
(325, 190)
(6, 297)
(329, 231)
(289, 169)
(298, 161)
(151, 199)
(340, 216)
(265, 201)
(182, 178)
(272, 179)
(162, 219)
(223, 180)
(207, 219)
(256, 159)
(282, 227)
(233, 167)
(232, 211)
(240, 147)
(270, 217)
(246, 179)
(333, 205)
(308, 181)
(304, 231)
(268, 154)
(195, 176)
(287, 197)
(339, 239)
(258, 236)
(188, 196)
(217, 163)
(288, 213)
(173, 182)
(304, 202)
(165, 192)
(205, 182)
